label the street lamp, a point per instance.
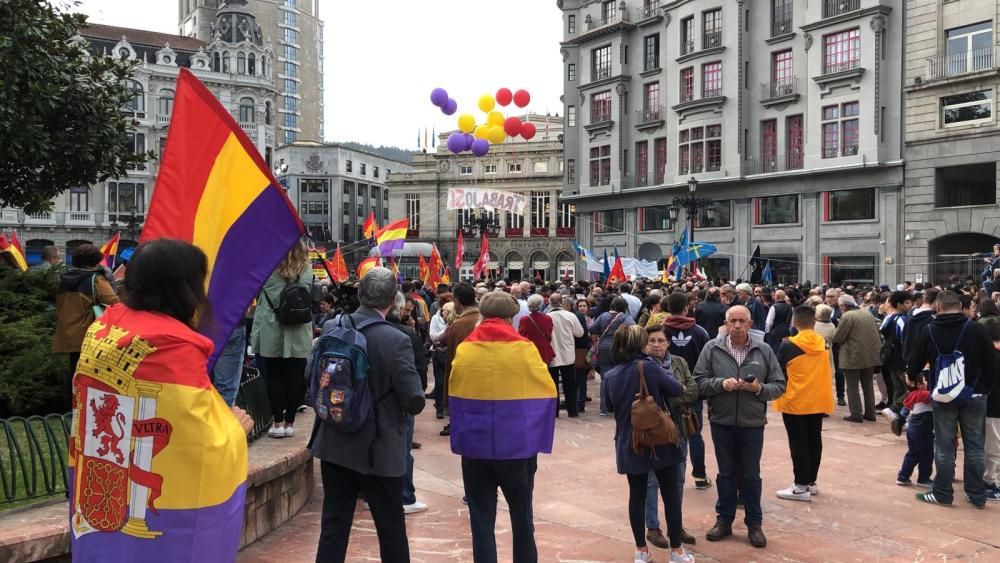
(486, 224)
(692, 204)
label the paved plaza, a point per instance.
(581, 506)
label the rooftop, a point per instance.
(141, 37)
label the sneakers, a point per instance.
(993, 493)
(276, 432)
(969, 500)
(289, 431)
(903, 482)
(889, 413)
(896, 425)
(414, 508)
(813, 489)
(926, 483)
(655, 537)
(930, 498)
(604, 413)
(643, 557)
(682, 557)
(795, 492)
(702, 483)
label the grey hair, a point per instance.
(555, 300)
(399, 303)
(377, 289)
(823, 312)
(534, 302)
(847, 299)
(744, 287)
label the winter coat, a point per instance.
(857, 334)
(710, 315)
(74, 305)
(537, 327)
(738, 408)
(604, 328)
(566, 328)
(805, 359)
(271, 339)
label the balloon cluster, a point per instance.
(496, 129)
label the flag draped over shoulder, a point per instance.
(501, 396)
(12, 248)
(214, 190)
(110, 250)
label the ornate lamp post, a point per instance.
(485, 224)
(692, 204)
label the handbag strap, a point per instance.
(607, 328)
(643, 389)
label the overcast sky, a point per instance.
(383, 57)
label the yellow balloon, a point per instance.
(495, 118)
(496, 135)
(486, 103)
(466, 123)
(481, 132)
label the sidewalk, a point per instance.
(581, 506)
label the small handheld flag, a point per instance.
(459, 251)
(370, 226)
(110, 250)
(392, 237)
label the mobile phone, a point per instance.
(749, 379)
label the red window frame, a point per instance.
(605, 165)
(781, 68)
(570, 170)
(711, 79)
(659, 159)
(687, 84)
(841, 50)
(651, 98)
(768, 143)
(683, 159)
(642, 163)
(595, 166)
(600, 107)
(831, 139)
(793, 141)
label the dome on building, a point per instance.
(235, 24)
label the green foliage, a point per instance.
(60, 120)
(32, 377)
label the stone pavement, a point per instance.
(581, 506)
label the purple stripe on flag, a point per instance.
(510, 429)
(211, 533)
(388, 247)
(250, 251)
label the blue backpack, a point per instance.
(338, 376)
(950, 385)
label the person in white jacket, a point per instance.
(565, 329)
(437, 330)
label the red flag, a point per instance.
(434, 268)
(459, 251)
(368, 264)
(423, 269)
(617, 272)
(370, 227)
(446, 278)
(337, 267)
(484, 257)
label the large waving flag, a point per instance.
(695, 251)
(607, 265)
(337, 267)
(422, 269)
(501, 397)
(484, 257)
(214, 190)
(12, 248)
(392, 237)
(617, 272)
(110, 250)
(370, 227)
(765, 276)
(459, 251)
(368, 264)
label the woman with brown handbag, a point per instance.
(636, 388)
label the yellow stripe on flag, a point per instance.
(482, 370)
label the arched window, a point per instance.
(267, 112)
(217, 63)
(137, 103)
(246, 110)
(263, 66)
(166, 104)
(241, 63)
(251, 65)
(225, 62)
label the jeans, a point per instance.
(516, 478)
(229, 367)
(992, 475)
(566, 373)
(864, 377)
(971, 418)
(340, 497)
(920, 447)
(697, 443)
(638, 493)
(805, 442)
(438, 360)
(653, 488)
(409, 492)
(738, 450)
(581, 388)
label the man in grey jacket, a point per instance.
(373, 459)
(738, 375)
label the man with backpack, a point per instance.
(961, 374)
(360, 436)
(893, 329)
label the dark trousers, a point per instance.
(864, 378)
(890, 385)
(340, 497)
(737, 451)
(920, 447)
(899, 389)
(286, 386)
(581, 388)
(696, 444)
(568, 376)
(667, 479)
(805, 442)
(438, 360)
(516, 478)
(840, 383)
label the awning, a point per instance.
(410, 250)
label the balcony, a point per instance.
(834, 8)
(711, 97)
(783, 91)
(687, 47)
(781, 26)
(250, 129)
(600, 73)
(514, 232)
(599, 122)
(566, 231)
(773, 163)
(163, 119)
(539, 232)
(649, 117)
(711, 40)
(961, 63)
(847, 150)
(81, 219)
(839, 71)
(651, 62)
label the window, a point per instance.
(126, 198)
(291, 104)
(600, 165)
(375, 174)
(514, 168)
(225, 62)
(267, 113)
(246, 110)
(165, 106)
(712, 29)
(465, 170)
(723, 216)
(655, 218)
(567, 220)
(687, 35)
(784, 268)
(700, 148)
(571, 24)
(973, 184)
(769, 145)
(293, 4)
(651, 52)
(600, 63)
(540, 167)
(252, 64)
(540, 211)
(841, 51)
(291, 69)
(291, 136)
(970, 48)
(570, 171)
(263, 66)
(781, 17)
(609, 11)
(137, 103)
(291, 52)
(782, 78)
(137, 144)
(291, 18)
(291, 121)
(659, 159)
(79, 198)
(291, 36)
(571, 72)
(241, 63)
(363, 169)
(350, 165)
(793, 142)
(600, 107)
(611, 221)
(413, 213)
(291, 86)
(642, 163)
(570, 116)
(851, 270)
(348, 189)
(687, 84)
(489, 169)
(711, 80)
(713, 148)
(971, 107)
(776, 210)
(362, 191)
(515, 222)
(849, 205)
(840, 130)
(651, 101)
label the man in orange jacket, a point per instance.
(805, 359)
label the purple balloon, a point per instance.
(449, 107)
(439, 97)
(480, 147)
(456, 142)
(469, 139)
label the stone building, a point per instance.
(952, 139)
(90, 214)
(786, 113)
(537, 244)
(294, 30)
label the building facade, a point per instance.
(294, 30)
(335, 187)
(535, 245)
(90, 214)
(787, 114)
(952, 137)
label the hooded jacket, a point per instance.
(74, 301)
(738, 408)
(976, 347)
(918, 320)
(805, 360)
(686, 338)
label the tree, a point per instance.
(61, 123)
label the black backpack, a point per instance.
(294, 303)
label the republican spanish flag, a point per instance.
(368, 264)
(110, 250)
(214, 190)
(501, 396)
(370, 226)
(392, 237)
(337, 267)
(12, 248)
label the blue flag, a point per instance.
(695, 251)
(607, 266)
(766, 274)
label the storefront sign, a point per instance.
(475, 198)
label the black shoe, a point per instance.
(439, 415)
(446, 431)
(589, 399)
(687, 538)
(854, 419)
(841, 402)
(896, 425)
(871, 418)
(756, 535)
(723, 528)
(879, 406)
(562, 405)
(428, 395)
